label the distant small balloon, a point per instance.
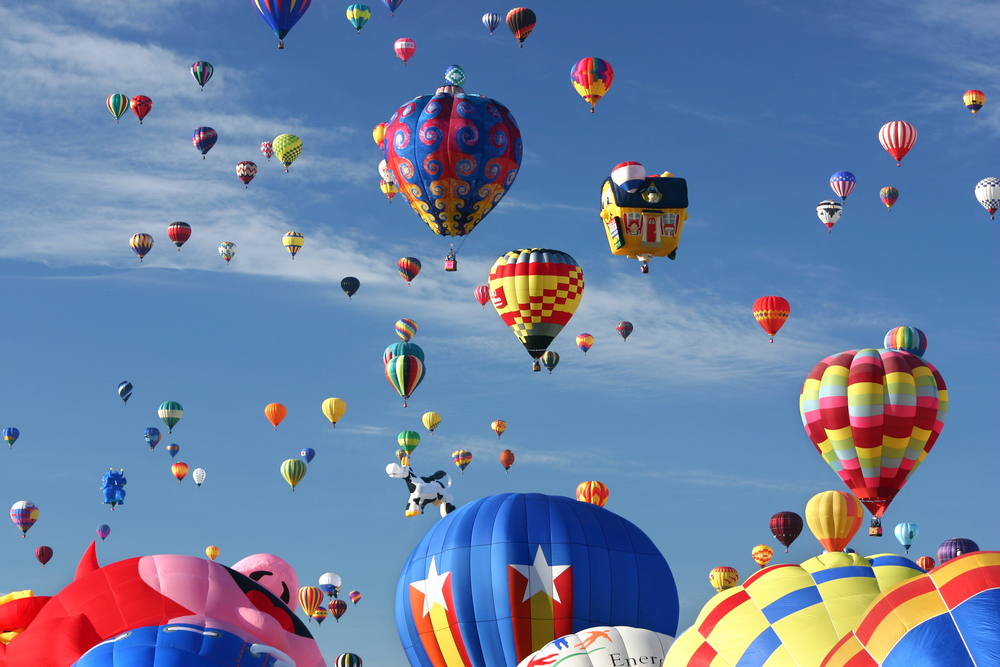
(198, 475)
(103, 531)
(506, 459)
(350, 285)
(10, 435)
(624, 329)
(308, 454)
(152, 436)
(228, 250)
(482, 294)
(406, 329)
(723, 578)
(172, 450)
(212, 552)
(337, 609)
(491, 20)
(762, 554)
(354, 596)
(125, 391)
(43, 554)
(275, 413)
(179, 470)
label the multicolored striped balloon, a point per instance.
(202, 71)
(897, 137)
(354, 596)
(409, 267)
(337, 609)
(406, 329)
(482, 294)
(203, 139)
(351, 659)
(141, 244)
(408, 441)
(310, 598)
(462, 458)
(889, 196)
(974, 100)
(117, 105)
(404, 374)
(550, 360)
(629, 176)
(906, 339)
(874, 415)
(592, 77)
(293, 242)
(172, 450)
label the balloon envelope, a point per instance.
(275, 413)
(592, 77)
(834, 517)
(786, 526)
(103, 531)
(593, 492)
(954, 548)
(281, 16)
(771, 312)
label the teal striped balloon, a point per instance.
(171, 413)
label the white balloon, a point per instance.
(988, 194)
(198, 476)
(604, 646)
(829, 212)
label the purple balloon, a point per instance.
(955, 547)
(103, 531)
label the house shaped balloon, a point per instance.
(643, 215)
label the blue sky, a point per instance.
(693, 422)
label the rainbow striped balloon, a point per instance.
(906, 339)
(406, 329)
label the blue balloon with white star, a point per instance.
(502, 576)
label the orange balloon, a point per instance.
(180, 470)
(275, 412)
(507, 459)
(592, 492)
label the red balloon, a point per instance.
(337, 608)
(482, 295)
(786, 526)
(141, 105)
(771, 313)
(179, 233)
(43, 554)
(897, 138)
(405, 48)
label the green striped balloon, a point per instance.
(171, 413)
(293, 470)
(408, 441)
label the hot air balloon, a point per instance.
(843, 183)
(354, 596)
(945, 617)
(455, 75)
(310, 598)
(521, 22)
(212, 552)
(228, 250)
(482, 294)
(331, 582)
(287, 147)
(762, 555)
(889, 196)
(275, 412)
(388, 188)
(334, 409)
(173, 450)
(624, 329)
(408, 441)
(506, 459)
(405, 373)
(723, 578)
(117, 105)
(113, 487)
(592, 77)
(897, 138)
(973, 100)
(308, 454)
(293, 242)
(179, 470)
(392, 5)
(585, 342)
(141, 106)
(320, 615)
(348, 659)
(124, 391)
(281, 16)
(829, 213)
(203, 139)
(198, 475)
(267, 149)
(906, 533)
(786, 526)
(141, 244)
(350, 285)
(405, 48)
(179, 233)
(378, 134)
(550, 360)
(10, 435)
(906, 339)
(536, 291)
(103, 531)
(547, 564)
(337, 609)
(431, 421)
(593, 492)
(409, 267)
(385, 172)
(741, 626)
(152, 436)
(293, 470)
(170, 412)
(358, 15)
(202, 71)
(834, 518)
(954, 548)
(462, 459)
(874, 415)
(246, 170)
(43, 554)
(771, 313)
(465, 161)
(491, 20)
(926, 563)
(24, 514)
(603, 646)
(406, 329)
(988, 194)
(499, 426)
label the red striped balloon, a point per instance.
(404, 374)
(482, 295)
(897, 138)
(771, 313)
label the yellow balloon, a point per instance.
(293, 470)
(286, 148)
(334, 409)
(834, 517)
(212, 552)
(431, 420)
